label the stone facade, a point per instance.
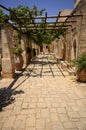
(67, 47)
(7, 42)
(78, 30)
(75, 38)
(61, 43)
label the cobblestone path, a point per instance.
(42, 98)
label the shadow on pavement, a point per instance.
(6, 96)
(6, 93)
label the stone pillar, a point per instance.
(8, 69)
(24, 48)
(68, 43)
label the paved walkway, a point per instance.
(43, 98)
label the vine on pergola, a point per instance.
(46, 36)
(21, 18)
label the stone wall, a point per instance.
(62, 48)
(64, 13)
(77, 35)
(75, 38)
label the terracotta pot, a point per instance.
(18, 62)
(81, 75)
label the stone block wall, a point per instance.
(75, 38)
(78, 30)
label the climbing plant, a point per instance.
(2, 15)
(21, 18)
(46, 36)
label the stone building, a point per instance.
(7, 42)
(74, 41)
(59, 44)
(67, 47)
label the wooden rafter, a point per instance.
(54, 22)
(43, 17)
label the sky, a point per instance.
(52, 6)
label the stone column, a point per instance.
(8, 69)
(68, 43)
(24, 48)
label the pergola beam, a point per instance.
(53, 26)
(54, 22)
(4, 7)
(43, 17)
(48, 28)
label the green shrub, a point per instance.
(80, 61)
(17, 50)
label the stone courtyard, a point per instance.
(43, 97)
(45, 94)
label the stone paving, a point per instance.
(43, 98)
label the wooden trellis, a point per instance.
(33, 25)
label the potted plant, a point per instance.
(18, 59)
(80, 64)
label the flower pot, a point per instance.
(18, 59)
(81, 75)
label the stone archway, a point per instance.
(41, 48)
(74, 49)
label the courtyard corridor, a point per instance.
(42, 97)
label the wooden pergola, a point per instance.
(34, 22)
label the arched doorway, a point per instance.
(41, 48)
(74, 49)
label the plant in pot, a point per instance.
(80, 64)
(18, 59)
